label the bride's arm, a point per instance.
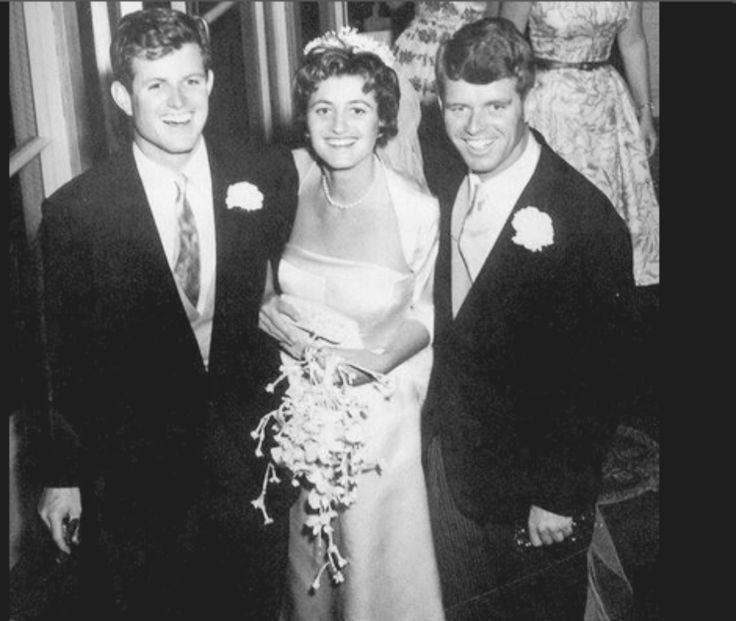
(416, 331)
(274, 315)
(412, 337)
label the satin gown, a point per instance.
(385, 535)
(588, 117)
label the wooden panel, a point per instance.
(219, 9)
(258, 89)
(129, 7)
(282, 59)
(24, 118)
(25, 153)
(54, 62)
(332, 15)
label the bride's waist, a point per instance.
(381, 334)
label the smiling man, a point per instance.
(167, 100)
(154, 267)
(533, 298)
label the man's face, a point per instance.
(168, 103)
(485, 123)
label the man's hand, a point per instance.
(546, 528)
(56, 505)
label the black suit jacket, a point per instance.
(133, 408)
(530, 374)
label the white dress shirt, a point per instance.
(475, 231)
(159, 183)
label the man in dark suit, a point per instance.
(534, 308)
(154, 266)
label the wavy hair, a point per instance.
(323, 63)
(152, 34)
(484, 51)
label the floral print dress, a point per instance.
(588, 117)
(416, 47)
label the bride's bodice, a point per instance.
(377, 298)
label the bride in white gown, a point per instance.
(363, 245)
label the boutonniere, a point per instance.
(244, 195)
(533, 229)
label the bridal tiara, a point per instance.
(348, 38)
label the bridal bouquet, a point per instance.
(318, 436)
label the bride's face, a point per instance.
(343, 122)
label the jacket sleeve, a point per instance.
(66, 298)
(422, 264)
(589, 383)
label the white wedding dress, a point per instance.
(385, 535)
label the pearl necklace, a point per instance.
(334, 203)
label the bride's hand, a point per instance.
(276, 318)
(364, 364)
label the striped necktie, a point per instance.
(186, 266)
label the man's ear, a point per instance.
(210, 81)
(121, 96)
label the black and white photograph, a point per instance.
(334, 311)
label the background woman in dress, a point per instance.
(585, 111)
(363, 247)
(433, 22)
(415, 49)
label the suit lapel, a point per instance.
(237, 239)
(138, 226)
(224, 241)
(137, 270)
(503, 261)
(446, 193)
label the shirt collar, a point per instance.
(507, 185)
(153, 173)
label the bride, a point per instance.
(361, 251)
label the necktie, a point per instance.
(186, 266)
(473, 230)
(461, 279)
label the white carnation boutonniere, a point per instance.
(244, 195)
(533, 229)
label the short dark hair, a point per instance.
(152, 34)
(323, 63)
(484, 51)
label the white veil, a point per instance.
(402, 152)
